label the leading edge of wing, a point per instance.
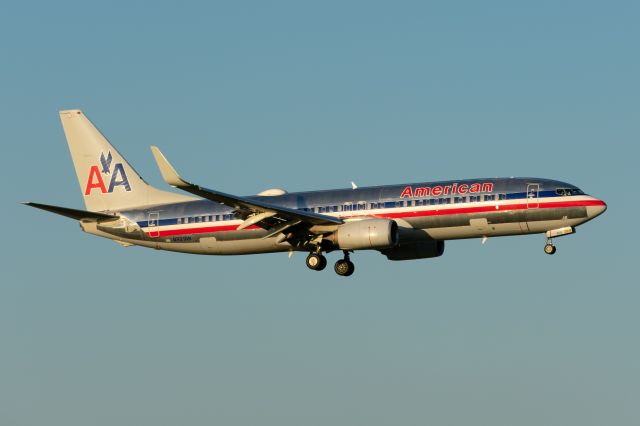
(170, 176)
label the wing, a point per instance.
(273, 217)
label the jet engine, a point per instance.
(366, 234)
(416, 250)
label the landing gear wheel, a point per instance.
(344, 267)
(316, 261)
(549, 248)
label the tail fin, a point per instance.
(107, 181)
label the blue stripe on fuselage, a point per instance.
(207, 208)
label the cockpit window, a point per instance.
(569, 191)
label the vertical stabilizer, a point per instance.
(107, 181)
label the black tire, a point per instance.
(316, 262)
(323, 263)
(549, 249)
(344, 268)
(352, 268)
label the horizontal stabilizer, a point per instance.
(71, 213)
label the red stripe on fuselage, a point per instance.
(492, 208)
(200, 230)
(398, 215)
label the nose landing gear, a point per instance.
(549, 248)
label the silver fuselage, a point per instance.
(431, 210)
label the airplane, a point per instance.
(403, 222)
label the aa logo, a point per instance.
(116, 176)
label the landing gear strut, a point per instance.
(549, 248)
(344, 267)
(316, 261)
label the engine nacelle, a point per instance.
(412, 251)
(366, 234)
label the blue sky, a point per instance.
(300, 95)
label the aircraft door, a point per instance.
(532, 194)
(154, 224)
(533, 190)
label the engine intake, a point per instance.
(366, 234)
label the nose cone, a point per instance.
(596, 208)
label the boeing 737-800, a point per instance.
(403, 222)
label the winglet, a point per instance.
(169, 174)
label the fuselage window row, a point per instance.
(366, 206)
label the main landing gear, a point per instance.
(316, 261)
(549, 248)
(343, 267)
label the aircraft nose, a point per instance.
(596, 209)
